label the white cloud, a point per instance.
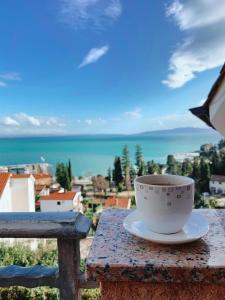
(97, 13)
(88, 121)
(135, 114)
(9, 121)
(52, 121)
(204, 45)
(30, 120)
(196, 13)
(94, 55)
(96, 122)
(9, 76)
(24, 124)
(176, 120)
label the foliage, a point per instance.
(100, 183)
(24, 256)
(186, 168)
(172, 166)
(204, 202)
(196, 173)
(91, 294)
(69, 170)
(221, 144)
(140, 164)
(109, 175)
(62, 176)
(21, 293)
(126, 167)
(153, 168)
(117, 171)
(125, 159)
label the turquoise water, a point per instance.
(95, 154)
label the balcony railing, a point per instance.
(68, 228)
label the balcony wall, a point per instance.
(131, 268)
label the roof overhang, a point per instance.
(212, 112)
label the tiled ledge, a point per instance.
(117, 256)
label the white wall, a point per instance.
(217, 186)
(217, 109)
(56, 205)
(23, 197)
(77, 205)
(5, 199)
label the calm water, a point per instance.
(96, 154)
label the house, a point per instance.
(41, 190)
(43, 179)
(120, 202)
(212, 112)
(217, 184)
(67, 201)
(17, 192)
(42, 183)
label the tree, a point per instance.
(206, 148)
(205, 170)
(62, 176)
(216, 163)
(221, 144)
(142, 169)
(172, 166)
(117, 171)
(100, 183)
(196, 173)
(186, 168)
(170, 160)
(152, 167)
(132, 174)
(69, 170)
(126, 167)
(205, 175)
(109, 175)
(125, 159)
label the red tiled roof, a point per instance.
(40, 176)
(20, 176)
(59, 196)
(219, 178)
(119, 202)
(4, 177)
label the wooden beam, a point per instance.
(69, 269)
(44, 225)
(29, 276)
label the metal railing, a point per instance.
(68, 228)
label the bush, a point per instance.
(24, 256)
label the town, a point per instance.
(33, 188)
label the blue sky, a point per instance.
(106, 66)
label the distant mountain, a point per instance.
(180, 130)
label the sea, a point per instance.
(92, 155)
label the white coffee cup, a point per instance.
(164, 201)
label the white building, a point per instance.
(67, 201)
(17, 192)
(217, 184)
(212, 112)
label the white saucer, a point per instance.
(196, 227)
